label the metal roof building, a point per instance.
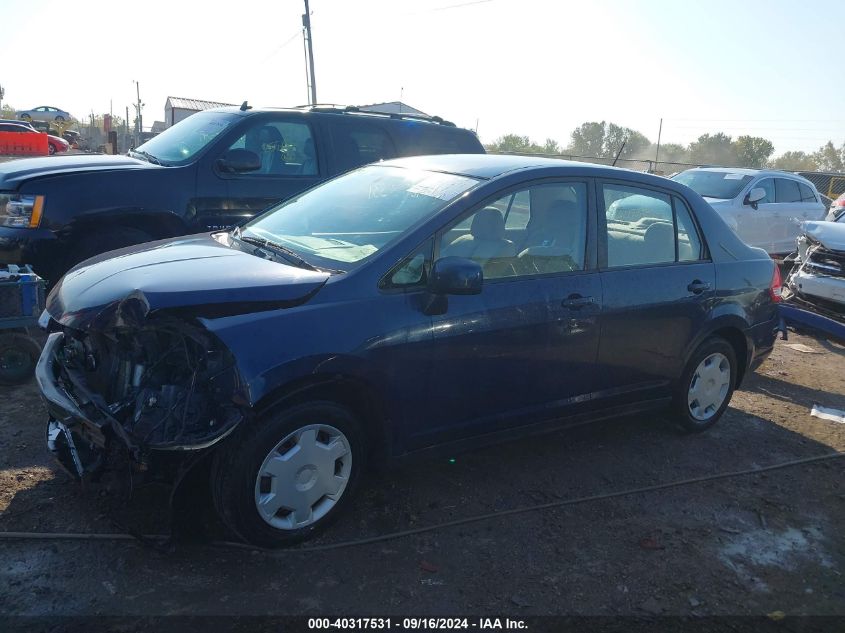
(179, 108)
(393, 107)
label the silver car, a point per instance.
(764, 207)
(44, 113)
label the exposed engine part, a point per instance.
(168, 384)
(818, 273)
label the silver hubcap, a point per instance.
(303, 477)
(709, 386)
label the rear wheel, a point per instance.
(18, 356)
(706, 385)
(26, 117)
(60, 119)
(290, 475)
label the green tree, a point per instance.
(828, 158)
(753, 151)
(512, 143)
(588, 139)
(795, 161)
(7, 111)
(672, 153)
(551, 146)
(713, 149)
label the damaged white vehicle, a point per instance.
(818, 274)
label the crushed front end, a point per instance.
(818, 274)
(162, 387)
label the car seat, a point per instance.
(486, 243)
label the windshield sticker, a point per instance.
(734, 176)
(440, 187)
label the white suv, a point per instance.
(764, 207)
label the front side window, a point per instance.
(646, 227)
(345, 220)
(786, 190)
(412, 272)
(284, 148)
(539, 230)
(178, 144)
(767, 185)
(714, 184)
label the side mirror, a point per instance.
(754, 196)
(238, 161)
(455, 276)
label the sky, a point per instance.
(536, 68)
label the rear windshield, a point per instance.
(714, 184)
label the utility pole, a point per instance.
(306, 22)
(139, 128)
(2, 94)
(657, 153)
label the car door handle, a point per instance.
(697, 287)
(576, 302)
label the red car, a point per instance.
(54, 143)
(57, 144)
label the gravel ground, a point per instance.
(751, 545)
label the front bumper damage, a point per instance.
(121, 397)
(814, 297)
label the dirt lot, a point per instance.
(747, 545)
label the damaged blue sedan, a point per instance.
(418, 304)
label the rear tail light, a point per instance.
(776, 287)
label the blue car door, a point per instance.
(524, 349)
(658, 285)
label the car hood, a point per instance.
(14, 173)
(831, 235)
(200, 274)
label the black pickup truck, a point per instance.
(212, 170)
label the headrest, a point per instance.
(270, 134)
(660, 231)
(562, 214)
(488, 224)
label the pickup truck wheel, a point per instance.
(107, 240)
(18, 356)
(290, 475)
(706, 386)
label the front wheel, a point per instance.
(18, 356)
(706, 385)
(290, 475)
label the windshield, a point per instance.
(351, 217)
(178, 144)
(714, 184)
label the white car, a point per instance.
(43, 113)
(764, 207)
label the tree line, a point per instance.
(603, 139)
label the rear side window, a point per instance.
(647, 227)
(807, 194)
(418, 138)
(689, 243)
(787, 190)
(359, 144)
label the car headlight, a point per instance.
(21, 211)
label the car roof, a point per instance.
(489, 166)
(352, 111)
(747, 171)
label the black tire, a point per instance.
(236, 466)
(18, 356)
(60, 119)
(681, 413)
(107, 240)
(26, 117)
